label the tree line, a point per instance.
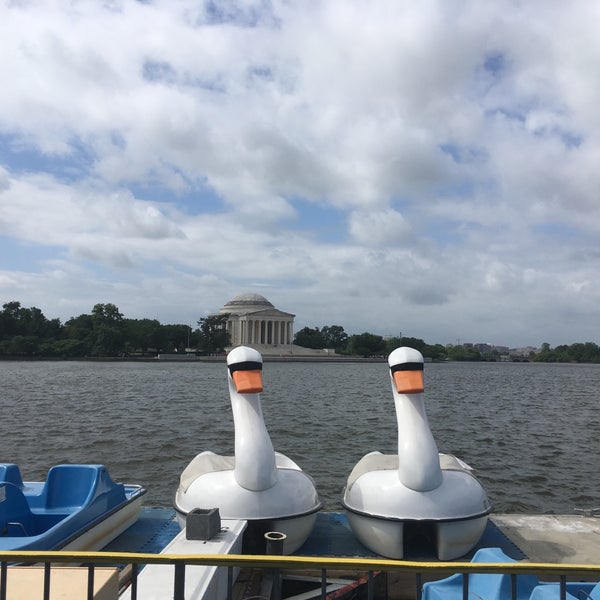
(372, 345)
(105, 332)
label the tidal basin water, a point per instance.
(531, 431)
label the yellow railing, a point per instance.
(430, 570)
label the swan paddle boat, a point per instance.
(259, 485)
(78, 507)
(417, 494)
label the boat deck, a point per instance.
(557, 539)
(331, 536)
(562, 548)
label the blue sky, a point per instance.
(428, 168)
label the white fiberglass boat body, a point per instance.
(259, 485)
(419, 489)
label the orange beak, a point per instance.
(409, 382)
(247, 382)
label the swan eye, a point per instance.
(247, 365)
(408, 378)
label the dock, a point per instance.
(564, 548)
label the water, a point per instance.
(530, 430)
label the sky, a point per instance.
(428, 169)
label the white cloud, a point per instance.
(379, 228)
(183, 149)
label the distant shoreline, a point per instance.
(193, 359)
(222, 358)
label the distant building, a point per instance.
(254, 321)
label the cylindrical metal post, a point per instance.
(274, 546)
(274, 542)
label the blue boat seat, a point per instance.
(582, 590)
(16, 518)
(481, 585)
(69, 486)
(10, 472)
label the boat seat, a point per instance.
(16, 518)
(70, 486)
(576, 590)
(488, 586)
(10, 472)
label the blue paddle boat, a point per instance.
(482, 585)
(499, 586)
(78, 507)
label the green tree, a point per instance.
(366, 344)
(584, 352)
(175, 337)
(143, 334)
(80, 332)
(310, 338)
(463, 353)
(108, 338)
(334, 337)
(435, 352)
(213, 336)
(9, 319)
(24, 330)
(546, 354)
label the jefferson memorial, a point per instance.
(254, 321)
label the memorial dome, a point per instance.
(246, 303)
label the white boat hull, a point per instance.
(289, 507)
(380, 508)
(108, 529)
(386, 536)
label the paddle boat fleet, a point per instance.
(266, 500)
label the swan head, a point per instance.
(245, 370)
(406, 370)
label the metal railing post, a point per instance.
(370, 586)
(3, 578)
(229, 582)
(90, 582)
(179, 585)
(134, 580)
(419, 584)
(47, 580)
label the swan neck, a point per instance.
(255, 466)
(418, 456)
